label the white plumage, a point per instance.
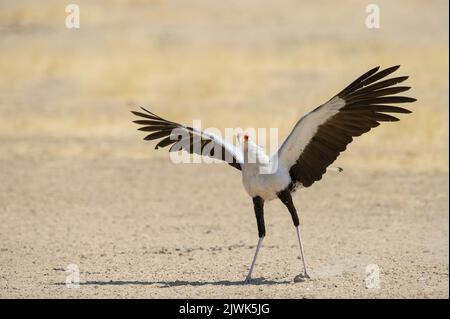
(258, 177)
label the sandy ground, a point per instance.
(133, 235)
(79, 186)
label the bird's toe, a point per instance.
(301, 277)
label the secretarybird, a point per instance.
(314, 143)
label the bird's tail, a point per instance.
(335, 169)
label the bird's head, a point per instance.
(244, 138)
(253, 153)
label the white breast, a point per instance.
(264, 185)
(262, 176)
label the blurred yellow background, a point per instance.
(67, 92)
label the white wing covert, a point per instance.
(320, 136)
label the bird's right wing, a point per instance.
(186, 138)
(321, 135)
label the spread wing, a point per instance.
(321, 135)
(191, 140)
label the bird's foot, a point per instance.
(301, 277)
(247, 280)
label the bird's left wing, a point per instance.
(321, 135)
(186, 138)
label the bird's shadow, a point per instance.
(177, 283)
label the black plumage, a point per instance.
(367, 100)
(192, 141)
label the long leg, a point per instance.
(258, 204)
(286, 198)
